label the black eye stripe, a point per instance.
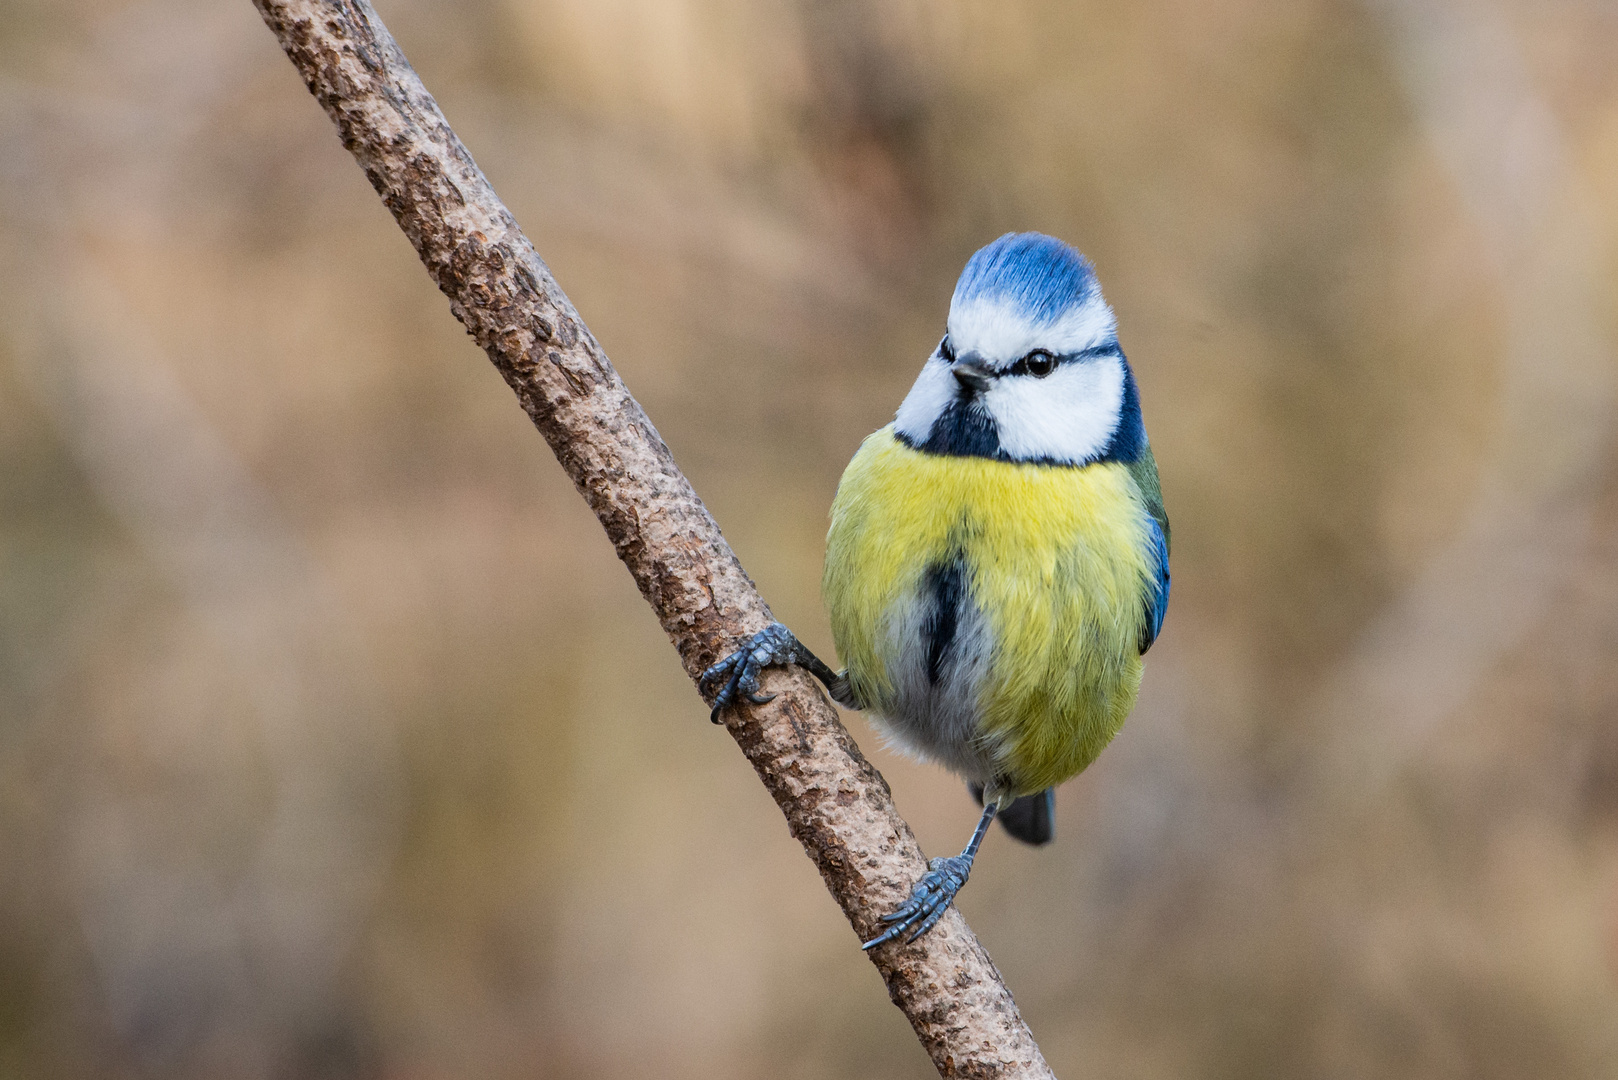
(946, 350)
(1021, 367)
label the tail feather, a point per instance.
(1031, 818)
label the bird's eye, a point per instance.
(1039, 363)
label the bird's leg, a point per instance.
(773, 646)
(937, 887)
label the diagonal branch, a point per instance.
(835, 802)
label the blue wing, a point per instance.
(1157, 593)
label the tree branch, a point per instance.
(835, 802)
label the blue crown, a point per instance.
(1039, 273)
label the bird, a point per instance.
(998, 557)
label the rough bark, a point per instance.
(835, 802)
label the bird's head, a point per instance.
(1029, 368)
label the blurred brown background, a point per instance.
(335, 743)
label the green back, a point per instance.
(1144, 470)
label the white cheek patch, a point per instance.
(1069, 416)
(934, 390)
(1001, 331)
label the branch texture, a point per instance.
(835, 802)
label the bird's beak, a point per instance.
(971, 374)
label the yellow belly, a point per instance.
(1055, 566)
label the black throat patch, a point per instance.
(963, 429)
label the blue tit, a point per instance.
(998, 559)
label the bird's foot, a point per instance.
(931, 895)
(773, 646)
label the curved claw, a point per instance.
(724, 698)
(719, 670)
(736, 667)
(887, 935)
(929, 898)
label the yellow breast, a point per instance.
(1055, 563)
